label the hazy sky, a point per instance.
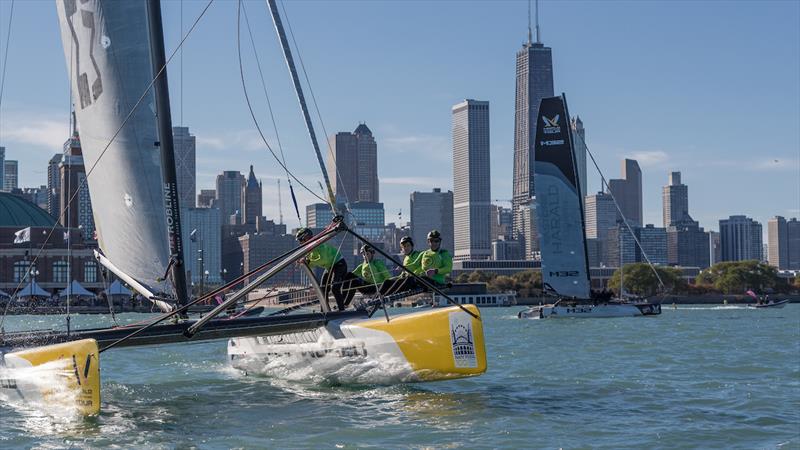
(711, 89)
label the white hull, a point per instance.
(603, 310)
(777, 304)
(421, 346)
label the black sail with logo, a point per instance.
(559, 211)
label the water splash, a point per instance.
(43, 392)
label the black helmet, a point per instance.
(367, 248)
(434, 234)
(405, 239)
(303, 234)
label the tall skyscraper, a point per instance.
(579, 138)
(10, 175)
(741, 239)
(676, 199)
(471, 181)
(432, 211)
(185, 167)
(72, 173)
(204, 251)
(714, 247)
(628, 191)
(353, 166)
(251, 198)
(687, 244)
(230, 184)
(600, 216)
(534, 82)
(783, 239)
(54, 186)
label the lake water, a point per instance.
(695, 377)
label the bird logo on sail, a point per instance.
(551, 125)
(462, 340)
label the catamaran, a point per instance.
(562, 231)
(115, 54)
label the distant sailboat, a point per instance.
(559, 211)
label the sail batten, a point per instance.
(107, 50)
(559, 211)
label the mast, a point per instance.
(287, 53)
(170, 178)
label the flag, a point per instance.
(66, 237)
(751, 294)
(22, 236)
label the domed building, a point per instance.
(33, 243)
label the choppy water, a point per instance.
(710, 377)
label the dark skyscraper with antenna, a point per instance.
(534, 82)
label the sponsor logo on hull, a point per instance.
(462, 340)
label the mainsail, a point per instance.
(107, 49)
(559, 212)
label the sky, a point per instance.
(711, 89)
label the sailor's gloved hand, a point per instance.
(431, 272)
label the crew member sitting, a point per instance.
(370, 275)
(436, 263)
(328, 258)
(413, 262)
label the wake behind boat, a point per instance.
(562, 232)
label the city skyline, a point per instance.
(657, 133)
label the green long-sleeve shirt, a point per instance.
(439, 260)
(413, 262)
(324, 256)
(374, 272)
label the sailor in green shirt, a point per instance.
(328, 258)
(371, 274)
(437, 263)
(413, 262)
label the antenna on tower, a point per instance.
(280, 204)
(538, 40)
(529, 21)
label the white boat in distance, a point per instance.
(566, 309)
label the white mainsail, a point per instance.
(106, 45)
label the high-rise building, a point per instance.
(502, 222)
(268, 242)
(600, 216)
(75, 202)
(366, 218)
(10, 175)
(620, 246)
(432, 211)
(687, 244)
(203, 251)
(741, 239)
(2, 164)
(534, 71)
(207, 198)
(353, 166)
(628, 191)
(185, 166)
(714, 248)
(654, 244)
(471, 181)
(783, 239)
(676, 199)
(230, 184)
(37, 196)
(251, 198)
(579, 138)
(54, 186)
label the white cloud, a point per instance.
(431, 146)
(649, 158)
(238, 140)
(36, 131)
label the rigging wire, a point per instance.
(624, 219)
(269, 105)
(113, 137)
(5, 65)
(252, 113)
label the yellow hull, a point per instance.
(64, 376)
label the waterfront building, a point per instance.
(353, 163)
(230, 185)
(620, 246)
(37, 196)
(207, 198)
(10, 175)
(600, 216)
(653, 242)
(628, 191)
(54, 186)
(534, 81)
(783, 239)
(471, 180)
(185, 166)
(251, 198)
(675, 199)
(579, 138)
(741, 238)
(687, 244)
(714, 247)
(502, 222)
(72, 173)
(506, 249)
(268, 242)
(203, 251)
(432, 211)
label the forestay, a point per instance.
(558, 207)
(107, 50)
